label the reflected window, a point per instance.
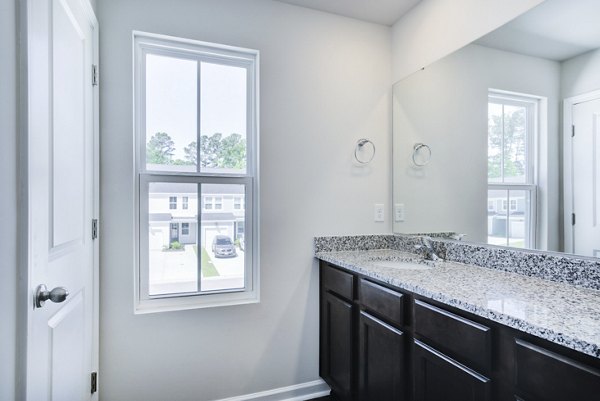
(512, 132)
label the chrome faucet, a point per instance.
(427, 248)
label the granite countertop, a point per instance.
(563, 313)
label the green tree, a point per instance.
(191, 153)
(210, 148)
(507, 133)
(233, 152)
(160, 149)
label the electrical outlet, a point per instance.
(399, 212)
(379, 213)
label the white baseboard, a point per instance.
(297, 392)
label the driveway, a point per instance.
(176, 272)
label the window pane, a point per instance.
(497, 217)
(510, 218)
(519, 219)
(171, 113)
(172, 239)
(495, 133)
(223, 240)
(223, 118)
(515, 144)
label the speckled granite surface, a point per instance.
(561, 268)
(562, 313)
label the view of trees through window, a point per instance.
(507, 143)
(216, 151)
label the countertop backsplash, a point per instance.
(570, 269)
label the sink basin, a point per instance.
(403, 265)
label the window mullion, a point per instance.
(508, 217)
(502, 146)
(198, 117)
(199, 236)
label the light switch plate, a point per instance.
(399, 212)
(379, 212)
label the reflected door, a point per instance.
(586, 178)
(61, 353)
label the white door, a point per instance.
(61, 184)
(586, 178)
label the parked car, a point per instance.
(223, 246)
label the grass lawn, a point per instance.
(208, 268)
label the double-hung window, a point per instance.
(513, 122)
(196, 133)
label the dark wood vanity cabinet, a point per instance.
(363, 350)
(544, 375)
(337, 336)
(441, 378)
(379, 343)
(451, 356)
(337, 328)
(381, 361)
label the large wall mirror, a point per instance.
(484, 143)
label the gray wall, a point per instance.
(8, 197)
(581, 74)
(325, 83)
(445, 106)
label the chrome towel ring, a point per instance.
(417, 150)
(360, 145)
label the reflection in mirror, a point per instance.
(507, 168)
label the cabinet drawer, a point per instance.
(463, 339)
(337, 281)
(541, 374)
(438, 377)
(388, 304)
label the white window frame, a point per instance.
(218, 203)
(532, 105)
(185, 202)
(145, 43)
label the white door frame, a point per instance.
(568, 199)
(24, 285)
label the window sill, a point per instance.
(174, 304)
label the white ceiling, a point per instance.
(555, 30)
(384, 12)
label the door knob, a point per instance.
(57, 295)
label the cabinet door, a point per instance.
(440, 378)
(336, 345)
(547, 376)
(381, 361)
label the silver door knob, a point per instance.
(57, 295)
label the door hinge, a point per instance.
(94, 228)
(94, 382)
(573, 218)
(572, 131)
(94, 75)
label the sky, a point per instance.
(172, 100)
